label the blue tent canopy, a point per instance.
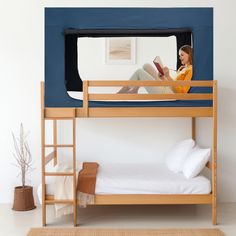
(59, 20)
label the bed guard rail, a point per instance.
(125, 96)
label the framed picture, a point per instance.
(121, 50)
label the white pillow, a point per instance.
(196, 161)
(178, 154)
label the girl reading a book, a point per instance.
(148, 72)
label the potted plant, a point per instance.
(23, 195)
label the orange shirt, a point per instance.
(183, 73)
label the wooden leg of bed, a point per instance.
(75, 219)
(43, 215)
(75, 210)
(214, 213)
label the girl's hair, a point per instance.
(188, 49)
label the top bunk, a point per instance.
(161, 105)
(68, 92)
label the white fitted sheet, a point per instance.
(152, 178)
(79, 95)
(146, 178)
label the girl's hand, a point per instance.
(166, 71)
(162, 77)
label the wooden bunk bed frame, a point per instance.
(55, 114)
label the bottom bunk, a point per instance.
(141, 178)
(130, 184)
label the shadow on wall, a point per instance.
(226, 113)
(226, 144)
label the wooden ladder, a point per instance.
(53, 157)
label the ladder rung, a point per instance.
(59, 145)
(59, 173)
(59, 118)
(63, 201)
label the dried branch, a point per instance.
(22, 154)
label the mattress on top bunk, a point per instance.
(149, 103)
(152, 178)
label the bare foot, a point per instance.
(134, 90)
(124, 89)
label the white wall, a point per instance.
(22, 68)
(92, 60)
(91, 54)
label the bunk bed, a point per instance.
(86, 111)
(56, 105)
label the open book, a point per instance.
(157, 62)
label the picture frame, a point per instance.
(120, 50)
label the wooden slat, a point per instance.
(43, 154)
(178, 96)
(85, 97)
(49, 157)
(49, 197)
(214, 157)
(147, 112)
(57, 118)
(59, 113)
(58, 145)
(59, 174)
(147, 199)
(74, 174)
(55, 141)
(64, 201)
(80, 112)
(118, 83)
(151, 112)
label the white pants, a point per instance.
(148, 73)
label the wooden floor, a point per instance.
(188, 216)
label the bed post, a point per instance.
(193, 128)
(43, 154)
(214, 156)
(85, 97)
(55, 141)
(74, 170)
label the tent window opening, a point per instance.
(115, 55)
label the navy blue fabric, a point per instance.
(199, 20)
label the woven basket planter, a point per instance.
(23, 198)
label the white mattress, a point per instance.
(145, 178)
(79, 95)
